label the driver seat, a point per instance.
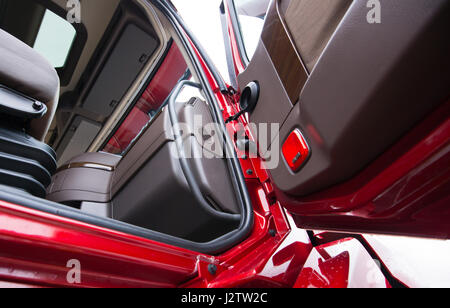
(29, 92)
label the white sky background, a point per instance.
(203, 19)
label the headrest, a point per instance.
(23, 69)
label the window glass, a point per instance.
(54, 39)
(251, 15)
(48, 33)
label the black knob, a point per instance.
(250, 97)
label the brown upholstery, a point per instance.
(26, 71)
(86, 177)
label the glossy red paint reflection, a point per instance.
(270, 261)
(36, 246)
(331, 273)
(341, 264)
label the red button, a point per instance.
(295, 150)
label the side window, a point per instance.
(172, 70)
(49, 34)
(54, 39)
(251, 15)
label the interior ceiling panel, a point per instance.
(95, 15)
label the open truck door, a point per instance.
(360, 90)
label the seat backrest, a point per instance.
(24, 70)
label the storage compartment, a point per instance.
(109, 76)
(129, 56)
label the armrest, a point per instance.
(18, 105)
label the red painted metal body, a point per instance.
(341, 264)
(35, 246)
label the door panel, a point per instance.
(283, 54)
(367, 91)
(271, 89)
(354, 89)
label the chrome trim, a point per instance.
(86, 165)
